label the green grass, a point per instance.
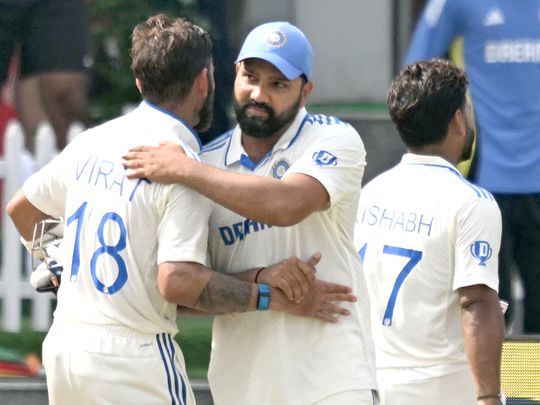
(194, 338)
(347, 108)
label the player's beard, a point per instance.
(207, 110)
(466, 154)
(258, 127)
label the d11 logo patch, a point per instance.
(324, 158)
(482, 251)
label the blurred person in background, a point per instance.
(501, 45)
(50, 38)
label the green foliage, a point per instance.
(112, 22)
(194, 340)
(21, 344)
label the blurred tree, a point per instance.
(112, 22)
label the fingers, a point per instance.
(329, 312)
(299, 286)
(287, 289)
(134, 162)
(335, 288)
(323, 316)
(140, 149)
(305, 276)
(138, 153)
(314, 259)
(54, 281)
(307, 270)
(339, 297)
(333, 309)
(135, 173)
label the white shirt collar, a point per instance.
(428, 160)
(173, 122)
(236, 152)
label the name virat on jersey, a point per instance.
(107, 175)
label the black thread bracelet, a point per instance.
(258, 272)
(481, 397)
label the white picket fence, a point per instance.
(16, 165)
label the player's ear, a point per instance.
(460, 123)
(201, 82)
(139, 85)
(307, 88)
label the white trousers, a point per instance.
(356, 397)
(452, 389)
(102, 365)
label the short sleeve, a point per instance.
(336, 157)
(183, 230)
(46, 189)
(477, 245)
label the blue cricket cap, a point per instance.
(281, 44)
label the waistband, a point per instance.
(109, 329)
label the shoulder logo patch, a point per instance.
(324, 158)
(482, 251)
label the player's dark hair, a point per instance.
(167, 54)
(423, 98)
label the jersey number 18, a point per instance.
(112, 250)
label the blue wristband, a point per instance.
(263, 302)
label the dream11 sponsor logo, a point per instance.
(482, 251)
(324, 158)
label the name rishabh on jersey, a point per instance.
(423, 232)
(332, 152)
(118, 230)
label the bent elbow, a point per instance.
(165, 288)
(10, 209)
(180, 283)
(170, 286)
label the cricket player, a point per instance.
(134, 250)
(429, 242)
(501, 51)
(288, 182)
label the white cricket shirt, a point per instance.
(118, 230)
(270, 357)
(423, 232)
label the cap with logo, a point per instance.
(281, 44)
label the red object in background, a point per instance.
(7, 109)
(7, 112)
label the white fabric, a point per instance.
(96, 365)
(423, 224)
(364, 397)
(117, 228)
(274, 358)
(456, 388)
